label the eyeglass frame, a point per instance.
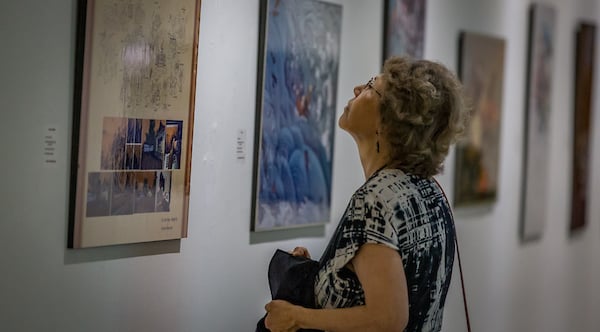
(369, 85)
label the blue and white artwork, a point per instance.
(296, 113)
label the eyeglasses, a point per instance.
(369, 85)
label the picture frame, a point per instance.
(542, 22)
(584, 79)
(134, 100)
(297, 84)
(404, 28)
(481, 70)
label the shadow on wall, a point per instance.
(76, 256)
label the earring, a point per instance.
(377, 142)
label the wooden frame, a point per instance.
(584, 78)
(133, 121)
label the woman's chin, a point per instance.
(342, 120)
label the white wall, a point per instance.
(215, 280)
(545, 285)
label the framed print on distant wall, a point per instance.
(132, 124)
(542, 22)
(584, 69)
(481, 70)
(404, 28)
(296, 113)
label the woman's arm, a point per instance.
(381, 274)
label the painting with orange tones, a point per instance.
(584, 69)
(296, 113)
(481, 70)
(134, 101)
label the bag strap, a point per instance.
(462, 280)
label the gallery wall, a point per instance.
(215, 280)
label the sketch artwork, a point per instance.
(135, 88)
(141, 50)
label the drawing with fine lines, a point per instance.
(135, 83)
(142, 52)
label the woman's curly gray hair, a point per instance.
(423, 112)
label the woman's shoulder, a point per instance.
(395, 179)
(393, 184)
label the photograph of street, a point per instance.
(114, 132)
(163, 191)
(122, 194)
(145, 193)
(174, 133)
(98, 194)
(133, 153)
(139, 150)
(153, 141)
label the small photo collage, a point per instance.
(137, 159)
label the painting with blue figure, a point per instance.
(296, 113)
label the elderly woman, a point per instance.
(389, 262)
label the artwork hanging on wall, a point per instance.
(404, 28)
(296, 106)
(542, 20)
(481, 70)
(584, 69)
(132, 125)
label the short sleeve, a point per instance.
(367, 220)
(378, 228)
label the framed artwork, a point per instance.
(404, 28)
(296, 113)
(132, 124)
(542, 22)
(481, 69)
(584, 69)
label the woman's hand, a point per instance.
(300, 251)
(281, 316)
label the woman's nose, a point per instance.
(357, 90)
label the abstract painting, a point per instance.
(584, 68)
(542, 23)
(135, 75)
(296, 107)
(481, 70)
(404, 28)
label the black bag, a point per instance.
(291, 278)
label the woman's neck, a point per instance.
(371, 160)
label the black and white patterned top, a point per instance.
(409, 214)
